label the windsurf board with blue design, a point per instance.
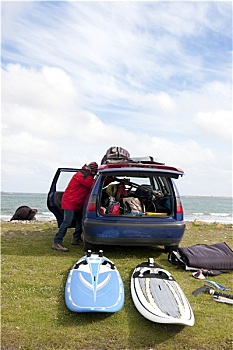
(158, 297)
(94, 285)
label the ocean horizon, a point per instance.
(208, 209)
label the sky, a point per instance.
(153, 77)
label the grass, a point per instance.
(35, 317)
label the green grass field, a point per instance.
(34, 315)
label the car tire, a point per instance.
(170, 248)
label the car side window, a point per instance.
(63, 181)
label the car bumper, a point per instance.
(135, 234)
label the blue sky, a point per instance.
(153, 77)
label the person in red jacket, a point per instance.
(72, 203)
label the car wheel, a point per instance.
(170, 248)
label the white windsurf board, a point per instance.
(158, 297)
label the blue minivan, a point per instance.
(134, 203)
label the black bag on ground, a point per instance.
(217, 256)
(24, 213)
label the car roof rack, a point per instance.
(146, 160)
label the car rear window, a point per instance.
(144, 195)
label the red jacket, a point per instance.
(77, 190)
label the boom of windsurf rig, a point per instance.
(218, 296)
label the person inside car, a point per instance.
(72, 203)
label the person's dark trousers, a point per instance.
(78, 216)
(69, 215)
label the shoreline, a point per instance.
(188, 223)
(182, 195)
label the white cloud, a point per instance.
(49, 86)
(217, 123)
(25, 144)
(160, 102)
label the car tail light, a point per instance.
(179, 207)
(92, 204)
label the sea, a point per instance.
(200, 208)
